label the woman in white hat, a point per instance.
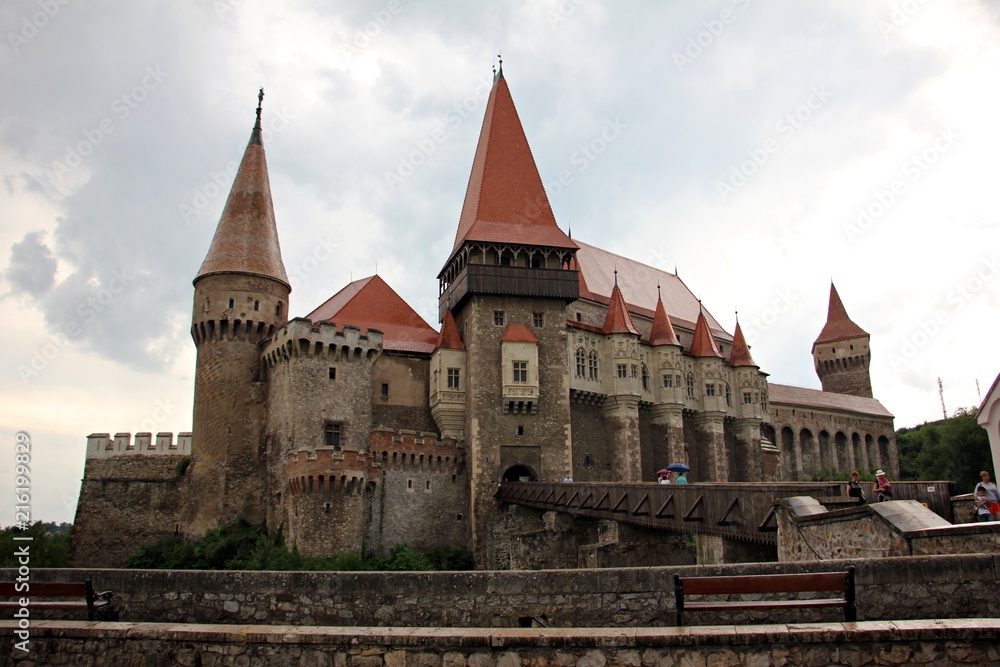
(883, 489)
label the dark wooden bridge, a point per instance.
(737, 510)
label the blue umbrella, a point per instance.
(678, 467)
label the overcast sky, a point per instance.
(762, 148)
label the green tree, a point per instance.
(956, 449)
(46, 548)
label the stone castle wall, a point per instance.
(895, 588)
(128, 496)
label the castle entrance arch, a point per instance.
(520, 473)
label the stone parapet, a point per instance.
(941, 642)
(103, 445)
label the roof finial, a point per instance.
(499, 73)
(737, 316)
(659, 297)
(616, 276)
(260, 100)
(569, 229)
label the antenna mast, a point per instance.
(944, 412)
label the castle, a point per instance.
(360, 426)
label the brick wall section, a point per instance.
(918, 587)
(895, 643)
(124, 501)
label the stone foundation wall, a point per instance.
(948, 642)
(887, 589)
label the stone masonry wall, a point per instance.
(954, 642)
(918, 587)
(124, 501)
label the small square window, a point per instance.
(256, 305)
(710, 389)
(668, 381)
(333, 373)
(498, 317)
(747, 398)
(520, 430)
(232, 303)
(539, 319)
(454, 378)
(385, 390)
(579, 317)
(622, 370)
(333, 433)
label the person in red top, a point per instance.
(991, 492)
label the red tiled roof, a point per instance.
(740, 354)
(518, 333)
(449, 338)
(618, 320)
(703, 344)
(370, 303)
(596, 269)
(838, 325)
(505, 200)
(246, 239)
(814, 398)
(662, 333)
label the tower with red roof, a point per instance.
(841, 353)
(240, 297)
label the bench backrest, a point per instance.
(44, 590)
(766, 583)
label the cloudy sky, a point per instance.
(762, 148)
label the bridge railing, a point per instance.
(737, 510)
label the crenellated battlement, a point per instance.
(409, 450)
(104, 446)
(301, 338)
(225, 329)
(329, 470)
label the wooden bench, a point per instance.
(812, 582)
(42, 596)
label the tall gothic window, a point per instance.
(581, 362)
(593, 370)
(645, 378)
(689, 381)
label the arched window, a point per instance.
(593, 368)
(689, 382)
(645, 378)
(581, 362)
(729, 396)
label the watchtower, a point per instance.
(841, 354)
(240, 297)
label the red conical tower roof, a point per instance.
(449, 338)
(618, 319)
(838, 325)
(740, 354)
(505, 201)
(662, 332)
(703, 344)
(246, 239)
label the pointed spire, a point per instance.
(703, 344)
(838, 325)
(505, 200)
(618, 319)
(449, 338)
(740, 354)
(246, 238)
(662, 332)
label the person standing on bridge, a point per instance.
(681, 479)
(665, 477)
(883, 489)
(854, 488)
(991, 492)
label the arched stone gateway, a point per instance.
(519, 473)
